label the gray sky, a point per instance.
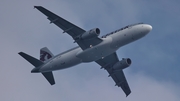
(153, 75)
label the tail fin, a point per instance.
(45, 54)
(36, 63)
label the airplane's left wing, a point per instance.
(118, 76)
(73, 30)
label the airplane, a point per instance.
(92, 48)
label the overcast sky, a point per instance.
(153, 76)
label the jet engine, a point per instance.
(124, 63)
(90, 34)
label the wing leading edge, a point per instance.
(118, 76)
(67, 27)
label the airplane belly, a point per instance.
(68, 60)
(62, 61)
(96, 52)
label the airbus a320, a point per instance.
(91, 48)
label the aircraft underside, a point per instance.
(91, 48)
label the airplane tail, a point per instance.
(45, 54)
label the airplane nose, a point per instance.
(148, 28)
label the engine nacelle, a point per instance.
(124, 63)
(90, 34)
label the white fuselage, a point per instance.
(111, 42)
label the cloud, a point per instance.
(147, 88)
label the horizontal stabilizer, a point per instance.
(35, 62)
(49, 76)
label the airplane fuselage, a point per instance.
(111, 42)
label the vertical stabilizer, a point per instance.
(45, 54)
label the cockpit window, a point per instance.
(104, 36)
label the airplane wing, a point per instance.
(73, 30)
(118, 76)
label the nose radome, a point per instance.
(148, 28)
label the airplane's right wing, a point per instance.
(118, 76)
(74, 31)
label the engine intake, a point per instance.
(91, 34)
(124, 63)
